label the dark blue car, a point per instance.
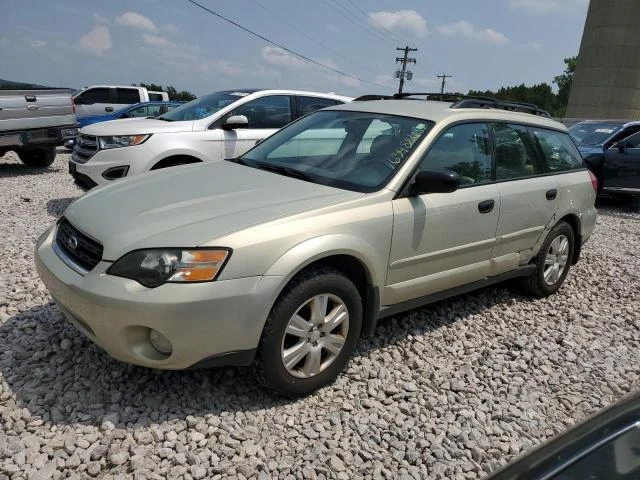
(143, 110)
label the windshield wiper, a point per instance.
(281, 169)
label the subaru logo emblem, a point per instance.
(72, 242)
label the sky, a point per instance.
(482, 44)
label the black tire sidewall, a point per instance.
(561, 228)
(37, 157)
(271, 370)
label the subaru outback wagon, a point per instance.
(284, 256)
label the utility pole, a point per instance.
(401, 74)
(444, 78)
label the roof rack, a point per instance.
(460, 100)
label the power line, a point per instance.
(303, 33)
(299, 55)
(387, 34)
(351, 17)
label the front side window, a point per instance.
(515, 152)
(632, 141)
(273, 111)
(464, 149)
(558, 150)
(352, 150)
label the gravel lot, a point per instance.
(449, 391)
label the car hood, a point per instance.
(191, 205)
(137, 126)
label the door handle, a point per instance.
(486, 206)
(108, 109)
(552, 194)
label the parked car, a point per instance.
(612, 151)
(101, 99)
(138, 110)
(210, 128)
(603, 447)
(283, 256)
(34, 122)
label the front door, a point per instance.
(266, 115)
(443, 240)
(622, 165)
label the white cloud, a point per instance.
(135, 20)
(468, 30)
(546, 6)
(38, 43)
(401, 21)
(97, 41)
(281, 58)
(170, 28)
(157, 41)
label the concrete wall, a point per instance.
(606, 83)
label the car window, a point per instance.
(155, 96)
(127, 95)
(327, 147)
(94, 95)
(627, 132)
(618, 459)
(311, 104)
(632, 141)
(558, 150)
(515, 152)
(590, 133)
(203, 107)
(463, 149)
(139, 112)
(273, 111)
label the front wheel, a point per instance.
(37, 157)
(310, 333)
(553, 262)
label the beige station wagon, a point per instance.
(283, 257)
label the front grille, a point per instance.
(85, 148)
(78, 247)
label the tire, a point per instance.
(552, 263)
(324, 358)
(37, 157)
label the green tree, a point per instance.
(182, 96)
(563, 81)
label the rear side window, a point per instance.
(515, 152)
(127, 95)
(311, 104)
(463, 149)
(560, 153)
(93, 95)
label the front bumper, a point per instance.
(201, 321)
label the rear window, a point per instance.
(127, 95)
(559, 151)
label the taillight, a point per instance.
(594, 181)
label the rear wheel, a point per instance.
(553, 262)
(37, 157)
(310, 333)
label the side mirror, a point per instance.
(437, 181)
(235, 121)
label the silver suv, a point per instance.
(282, 257)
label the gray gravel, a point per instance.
(449, 391)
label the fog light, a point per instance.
(116, 172)
(160, 342)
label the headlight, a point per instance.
(117, 141)
(153, 267)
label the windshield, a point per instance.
(593, 133)
(352, 150)
(203, 106)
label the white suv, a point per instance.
(213, 127)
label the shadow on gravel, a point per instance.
(12, 169)
(625, 207)
(57, 206)
(62, 377)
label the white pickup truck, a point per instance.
(101, 99)
(34, 122)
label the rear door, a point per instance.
(529, 195)
(266, 115)
(622, 165)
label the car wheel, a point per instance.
(37, 157)
(552, 263)
(310, 333)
